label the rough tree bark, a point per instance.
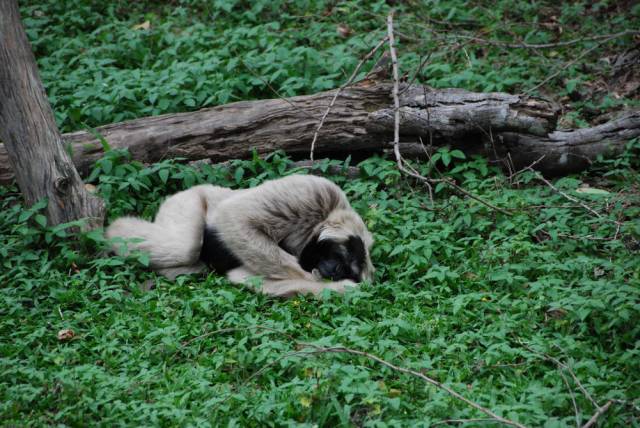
(362, 121)
(33, 143)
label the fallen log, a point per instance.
(361, 121)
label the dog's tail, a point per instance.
(173, 240)
(167, 245)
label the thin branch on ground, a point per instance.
(540, 177)
(452, 35)
(573, 61)
(546, 45)
(396, 130)
(262, 370)
(597, 414)
(463, 421)
(421, 65)
(587, 237)
(568, 369)
(304, 348)
(631, 404)
(342, 350)
(527, 168)
(274, 90)
(340, 89)
(396, 108)
(573, 398)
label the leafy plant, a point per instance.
(460, 291)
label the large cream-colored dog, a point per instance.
(298, 233)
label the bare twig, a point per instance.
(340, 89)
(313, 349)
(527, 168)
(396, 107)
(587, 237)
(422, 63)
(402, 165)
(563, 194)
(463, 421)
(275, 91)
(569, 370)
(474, 197)
(573, 397)
(573, 61)
(342, 350)
(396, 101)
(546, 45)
(597, 414)
(626, 403)
(449, 35)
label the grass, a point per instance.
(466, 295)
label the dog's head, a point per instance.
(340, 248)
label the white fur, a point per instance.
(251, 223)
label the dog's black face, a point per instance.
(335, 260)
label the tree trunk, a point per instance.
(361, 121)
(34, 146)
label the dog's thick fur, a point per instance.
(270, 231)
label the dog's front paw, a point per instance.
(341, 286)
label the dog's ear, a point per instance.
(313, 252)
(355, 248)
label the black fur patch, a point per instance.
(356, 250)
(216, 254)
(313, 252)
(335, 260)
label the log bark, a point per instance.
(572, 151)
(361, 121)
(33, 145)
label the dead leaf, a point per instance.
(66, 334)
(555, 314)
(144, 26)
(343, 30)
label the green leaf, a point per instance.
(239, 174)
(24, 216)
(164, 175)
(41, 220)
(457, 154)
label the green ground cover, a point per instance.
(464, 294)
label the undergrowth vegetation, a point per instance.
(469, 296)
(479, 300)
(104, 62)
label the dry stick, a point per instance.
(546, 45)
(597, 414)
(422, 63)
(275, 91)
(567, 368)
(396, 108)
(573, 398)
(320, 350)
(462, 421)
(566, 196)
(340, 89)
(573, 61)
(396, 128)
(530, 168)
(262, 370)
(342, 350)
